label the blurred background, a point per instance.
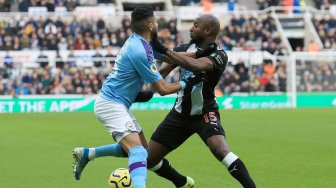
(282, 48)
(55, 55)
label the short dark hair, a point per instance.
(140, 14)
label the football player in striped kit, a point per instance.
(196, 108)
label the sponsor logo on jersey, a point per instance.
(219, 59)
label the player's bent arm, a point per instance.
(169, 60)
(165, 88)
(200, 64)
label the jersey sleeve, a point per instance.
(146, 67)
(219, 60)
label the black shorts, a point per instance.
(177, 128)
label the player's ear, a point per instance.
(151, 25)
(207, 31)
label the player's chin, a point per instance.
(192, 40)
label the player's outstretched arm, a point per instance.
(165, 88)
(168, 60)
(200, 64)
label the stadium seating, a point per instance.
(71, 52)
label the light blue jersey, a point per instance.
(134, 67)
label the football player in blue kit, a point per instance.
(134, 67)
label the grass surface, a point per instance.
(281, 148)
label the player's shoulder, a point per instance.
(219, 54)
(141, 48)
(182, 47)
(219, 58)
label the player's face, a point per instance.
(197, 31)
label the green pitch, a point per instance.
(281, 148)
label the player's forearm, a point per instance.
(183, 60)
(169, 88)
(169, 60)
(165, 69)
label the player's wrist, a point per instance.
(183, 84)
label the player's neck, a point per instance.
(205, 43)
(146, 36)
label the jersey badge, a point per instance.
(153, 68)
(130, 126)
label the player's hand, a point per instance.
(157, 45)
(144, 96)
(195, 79)
(207, 51)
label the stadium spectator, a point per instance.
(5, 5)
(188, 2)
(49, 4)
(313, 47)
(2, 85)
(109, 56)
(71, 5)
(8, 61)
(71, 60)
(42, 60)
(97, 61)
(59, 61)
(24, 5)
(263, 4)
(62, 45)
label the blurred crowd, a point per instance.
(242, 33)
(252, 33)
(324, 4)
(326, 28)
(199, 2)
(70, 5)
(267, 77)
(84, 34)
(319, 4)
(263, 4)
(66, 80)
(315, 76)
(69, 78)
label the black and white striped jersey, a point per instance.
(200, 98)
